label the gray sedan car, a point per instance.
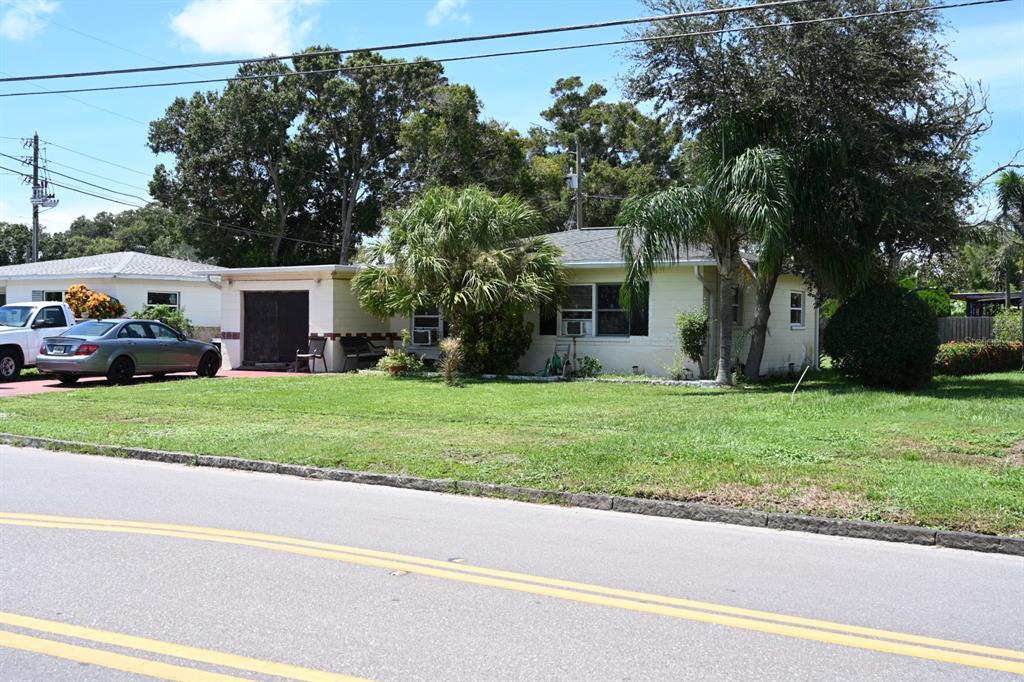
(120, 349)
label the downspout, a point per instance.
(209, 280)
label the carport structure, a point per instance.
(267, 314)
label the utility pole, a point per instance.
(579, 187)
(41, 196)
(36, 192)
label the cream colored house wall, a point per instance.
(200, 300)
(321, 312)
(790, 343)
(673, 291)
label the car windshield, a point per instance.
(90, 329)
(15, 315)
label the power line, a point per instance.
(74, 189)
(96, 158)
(539, 50)
(424, 43)
(83, 102)
(84, 182)
(199, 221)
(95, 175)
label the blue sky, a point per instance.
(40, 36)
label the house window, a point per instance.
(578, 310)
(612, 320)
(596, 310)
(796, 308)
(427, 327)
(167, 298)
(48, 296)
(737, 305)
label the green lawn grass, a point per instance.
(950, 456)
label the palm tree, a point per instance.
(1010, 193)
(474, 256)
(733, 201)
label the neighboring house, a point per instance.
(135, 279)
(987, 303)
(269, 313)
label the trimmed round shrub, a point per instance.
(884, 336)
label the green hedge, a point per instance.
(960, 358)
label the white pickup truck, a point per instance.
(23, 326)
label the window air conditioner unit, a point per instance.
(574, 327)
(424, 337)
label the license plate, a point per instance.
(59, 350)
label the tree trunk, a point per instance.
(275, 251)
(764, 289)
(725, 293)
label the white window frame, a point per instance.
(591, 321)
(802, 308)
(177, 295)
(414, 328)
(609, 310)
(44, 295)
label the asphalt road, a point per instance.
(389, 584)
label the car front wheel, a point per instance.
(121, 371)
(10, 366)
(208, 365)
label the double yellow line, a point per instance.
(917, 646)
(144, 666)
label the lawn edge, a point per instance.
(693, 511)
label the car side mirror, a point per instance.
(36, 324)
(182, 337)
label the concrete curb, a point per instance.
(694, 511)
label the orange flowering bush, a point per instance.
(85, 302)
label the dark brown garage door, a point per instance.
(276, 325)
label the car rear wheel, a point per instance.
(68, 379)
(121, 371)
(10, 366)
(208, 365)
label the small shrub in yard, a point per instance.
(884, 336)
(961, 358)
(397, 362)
(692, 328)
(172, 317)
(84, 302)
(1006, 326)
(452, 358)
(587, 367)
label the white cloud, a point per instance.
(244, 27)
(447, 10)
(24, 19)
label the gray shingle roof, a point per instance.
(123, 263)
(601, 245)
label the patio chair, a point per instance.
(313, 353)
(359, 348)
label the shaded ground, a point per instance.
(947, 456)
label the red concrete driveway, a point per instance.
(46, 384)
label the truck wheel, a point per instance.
(10, 365)
(121, 371)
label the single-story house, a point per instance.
(135, 279)
(268, 313)
(987, 303)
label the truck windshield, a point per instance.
(90, 329)
(15, 315)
